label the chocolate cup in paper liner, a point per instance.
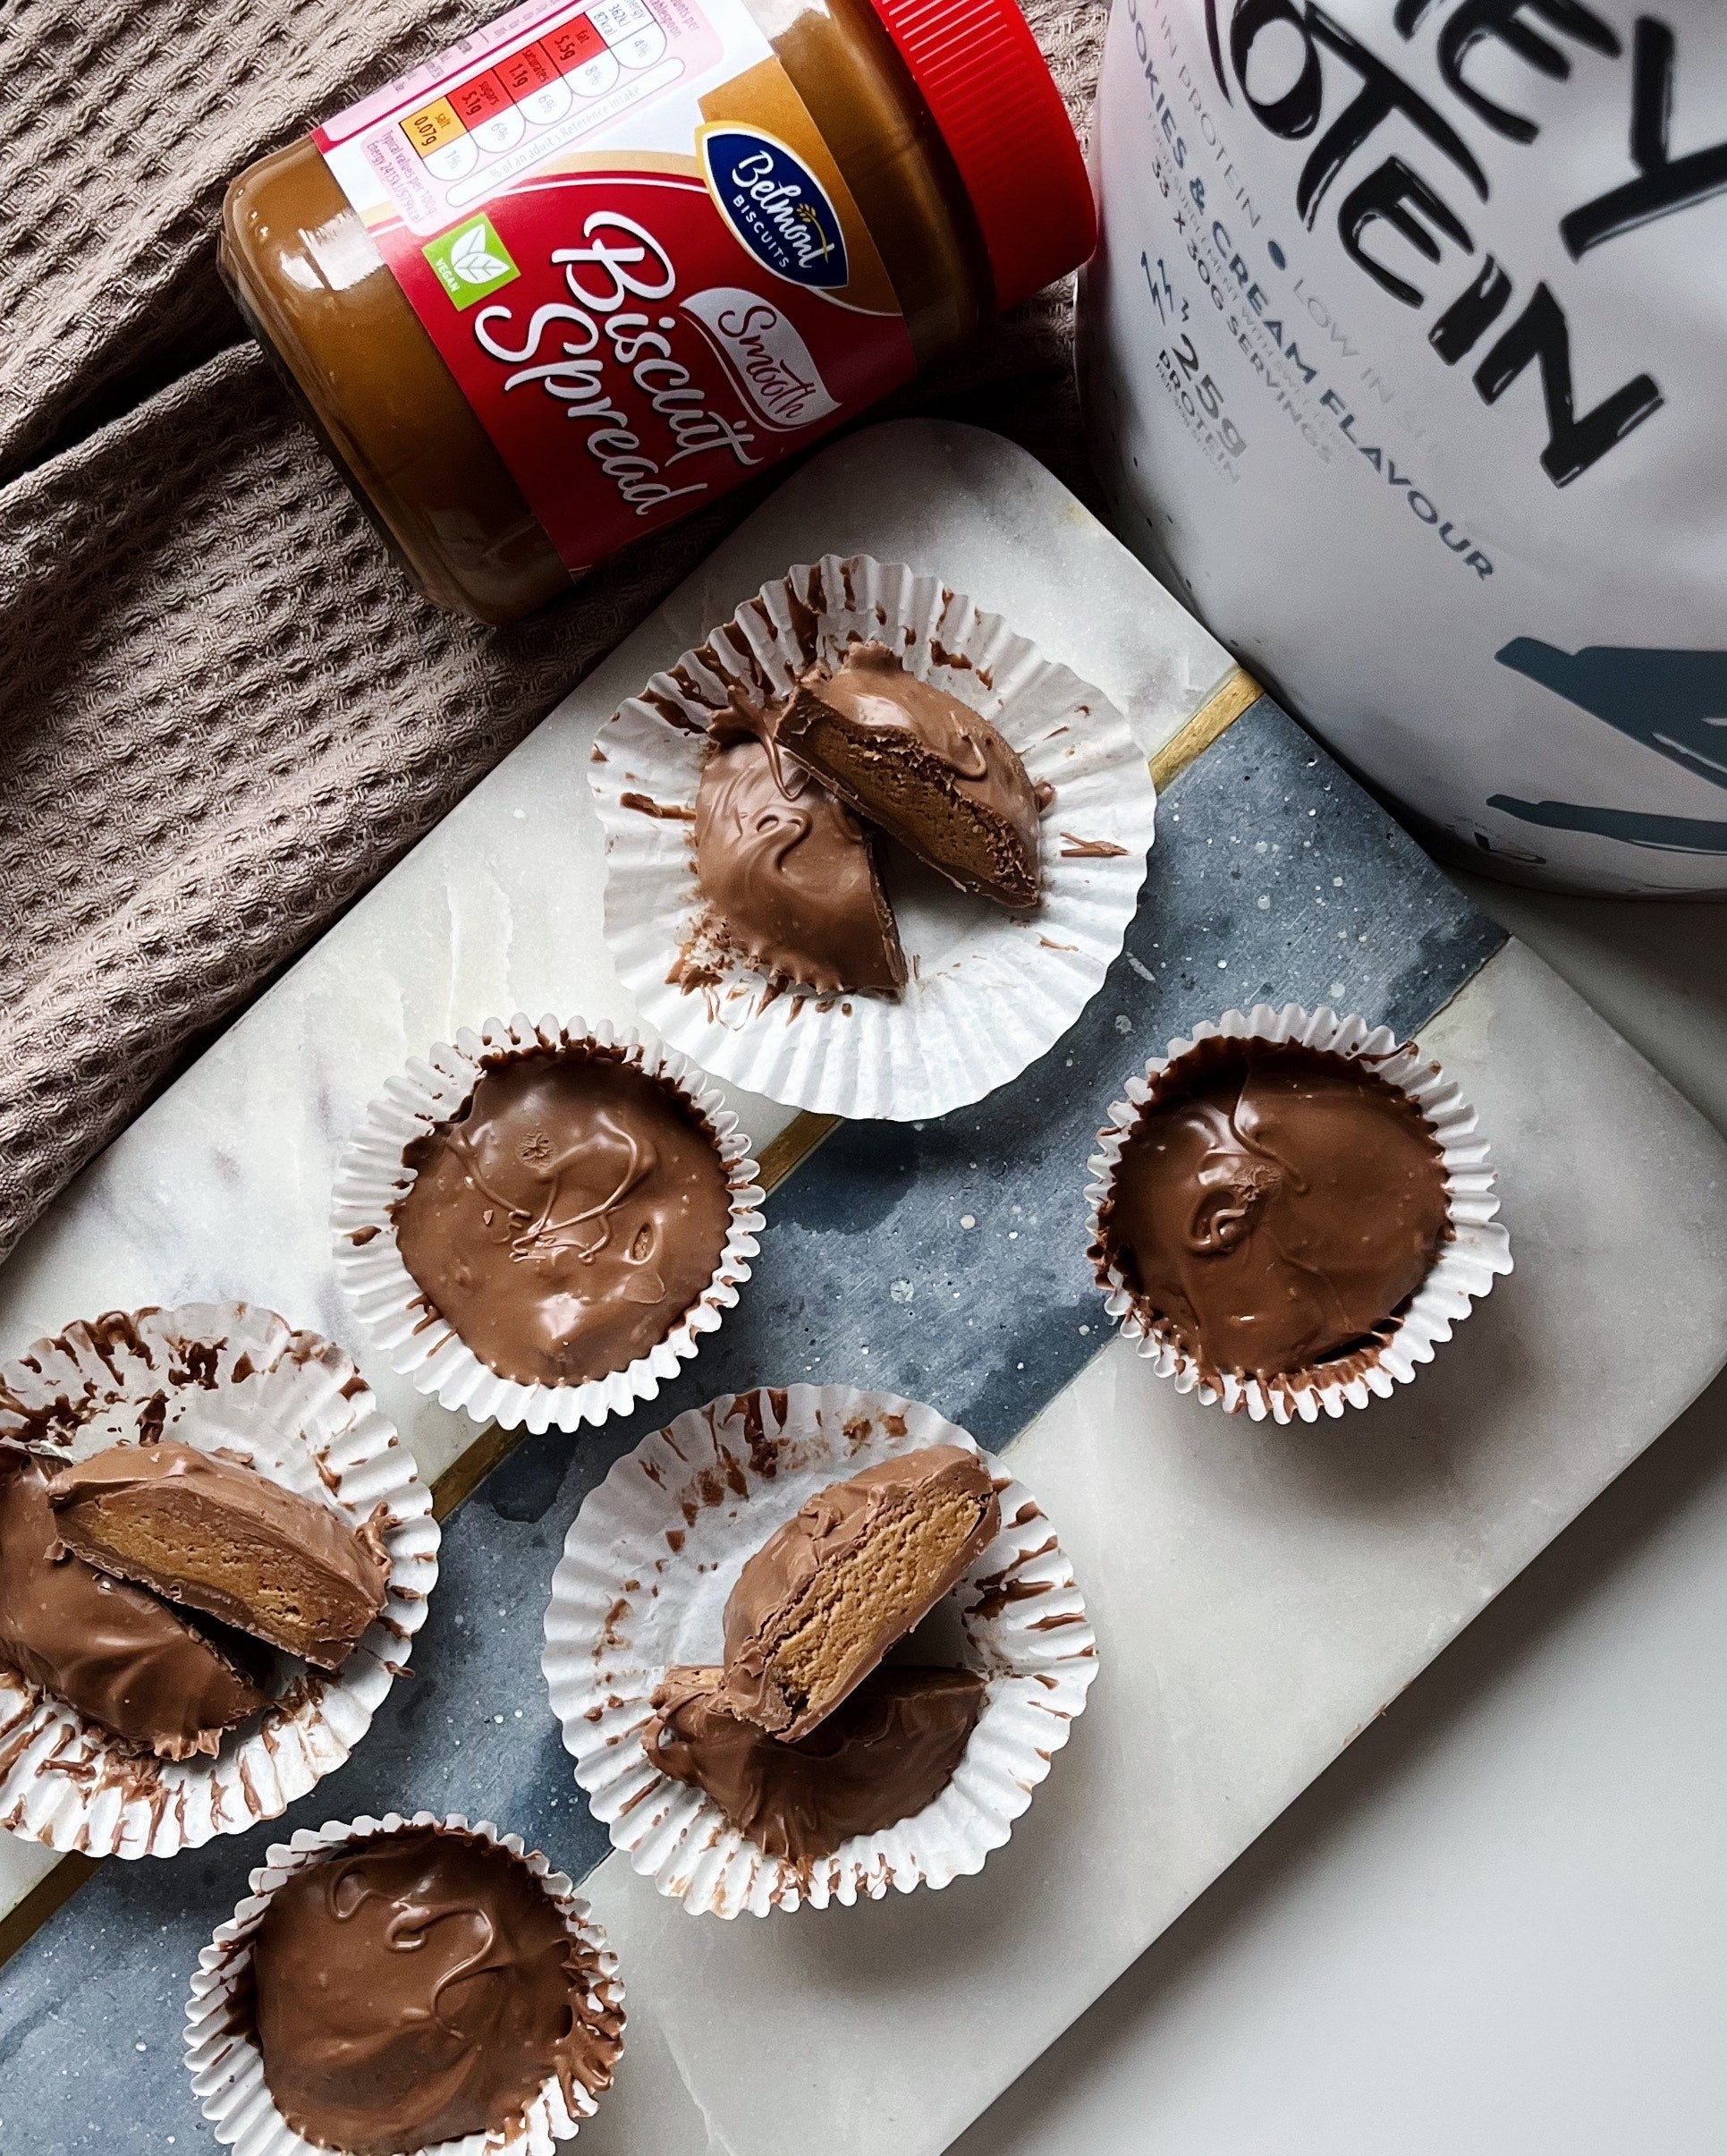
(641, 1586)
(222, 2053)
(1478, 1251)
(234, 1377)
(989, 990)
(418, 1343)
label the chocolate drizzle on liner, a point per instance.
(793, 820)
(726, 1816)
(972, 746)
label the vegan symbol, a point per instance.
(470, 260)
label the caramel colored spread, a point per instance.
(884, 1754)
(317, 294)
(420, 1987)
(567, 1217)
(227, 1541)
(929, 771)
(107, 1648)
(1275, 1208)
(790, 871)
(320, 298)
(822, 1601)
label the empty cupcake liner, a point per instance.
(232, 1377)
(1478, 1250)
(647, 1567)
(222, 2053)
(989, 990)
(417, 1340)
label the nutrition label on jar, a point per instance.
(526, 90)
(631, 246)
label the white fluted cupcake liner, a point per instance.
(417, 1342)
(990, 990)
(1477, 1251)
(232, 1378)
(641, 1586)
(222, 2053)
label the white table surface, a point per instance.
(1498, 1925)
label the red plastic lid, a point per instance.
(989, 90)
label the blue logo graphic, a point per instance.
(776, 206)
(1674, 703)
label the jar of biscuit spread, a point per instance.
(607, 258)
(1406, 346)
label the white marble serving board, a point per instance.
(1259, 1594)
(222, 1187)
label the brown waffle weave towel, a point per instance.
(223, 712)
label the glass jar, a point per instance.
(939, 173)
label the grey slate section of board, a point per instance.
(1275, 877)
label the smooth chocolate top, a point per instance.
(1274, 1206)
(926, 767)
(227, 1540)
(827, 1529)
(418, 1987)
(109, 1648)
(788, 870)
(566, 1218)
(886, 1752)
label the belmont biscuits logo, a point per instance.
(776, 206)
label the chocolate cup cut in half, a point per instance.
(418, 1987)
(886, 1754)
(153, 1676)
(792, 875)
(822, 1601)
(933, 773)
(1036, 791)
(1275, 1207)
(567, 1217)
(226, 1540)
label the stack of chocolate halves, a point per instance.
(796, 793)
(151, 1586)
(803, 1737)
